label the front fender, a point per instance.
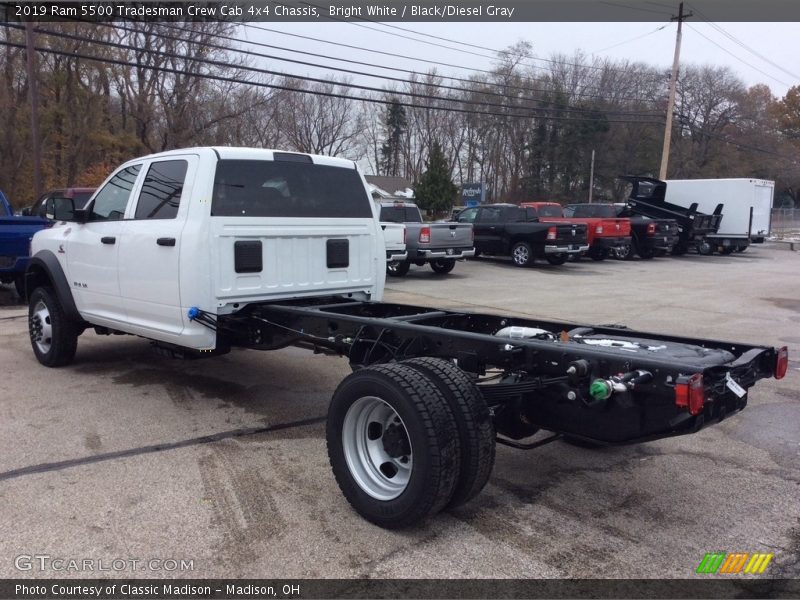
(44, 269)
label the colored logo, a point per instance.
(737, 562)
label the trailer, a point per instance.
(747, 212)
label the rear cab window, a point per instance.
(400, 214)
(264, 188)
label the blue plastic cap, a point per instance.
(193, 313)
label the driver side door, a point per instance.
(92, 250)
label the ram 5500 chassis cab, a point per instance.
(205, 249)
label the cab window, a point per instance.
(112, 199)
(161, 190)
(467, 215)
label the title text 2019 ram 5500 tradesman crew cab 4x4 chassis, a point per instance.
(204, 249)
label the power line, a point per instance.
(685, 121)
(633, 39)
(379, 76)
(285, 87)
(452, 41)
(741, 60)
(324, 81)
(737, 41)
(385, 53)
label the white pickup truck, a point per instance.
(204, 249)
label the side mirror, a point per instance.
(59, 209)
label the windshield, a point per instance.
(265, 188)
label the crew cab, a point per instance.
(16, 233)
(437, 244)
(606, 235)
(204, 249)
(648, 236)
(511, 230)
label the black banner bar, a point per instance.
(282, 589)
(466, 11)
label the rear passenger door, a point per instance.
(149, 256)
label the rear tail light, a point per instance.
(425, 235)
(405, 235)
(782, 363)
(552, 233)
(599, 230)
(472, 234)
(690, 393)
(651, 229)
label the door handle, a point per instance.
(109, 239)
(165, 241)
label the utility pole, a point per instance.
(591, 178)
(673, 84)
(33, 95)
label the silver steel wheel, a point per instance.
(520, 254)
(377, 448)
(41, 329)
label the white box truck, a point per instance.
(747, 212)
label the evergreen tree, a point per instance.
(435, 190)
(395, 127)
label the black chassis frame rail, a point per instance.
(532, 382)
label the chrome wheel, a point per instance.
(521, 255)
(377, 448)
(41, 327)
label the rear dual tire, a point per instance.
(405, 440)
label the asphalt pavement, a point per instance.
(221, 463)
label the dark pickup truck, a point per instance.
(647, 198)
(510, 230)
(648, 236)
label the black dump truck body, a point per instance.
(647, 198)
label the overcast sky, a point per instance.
(702, 44)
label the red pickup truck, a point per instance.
(605, 234)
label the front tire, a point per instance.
(398, 268)
(443, 265)
(522, 254)
(705, 248)
(598, 254)
(393, 445)
(54, 337)
(624, 252)
(473, 421)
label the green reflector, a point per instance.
(599, 390)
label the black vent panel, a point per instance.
(247, 257)
(338, 252)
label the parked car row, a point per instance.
(647, 225)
